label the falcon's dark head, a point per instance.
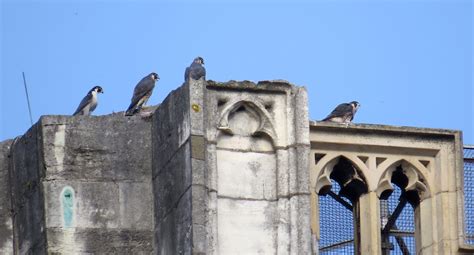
(97, 89)
(199, 60)
(155, 76)
(355, 104)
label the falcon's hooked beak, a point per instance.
(355, 106)
(199, 60)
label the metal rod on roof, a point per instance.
(27, 98)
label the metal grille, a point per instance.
(469, 151)
(469, 193)
(402, 234)
(336, 225)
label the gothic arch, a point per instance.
(256, 110)
(408, 176)
(347, 170)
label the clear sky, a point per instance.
(407, 62)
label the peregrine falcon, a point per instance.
(142, 93)
(343, 113)
(89, 102)
(196, 70)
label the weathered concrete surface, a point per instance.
(172, 174)
(97, 148)
(99, 241)
(27, 198)
(258, 167)
(258, 175)
(247, 226)
(83, 185)
(6, 226)
(106, 161)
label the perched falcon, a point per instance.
(344, 113)
(142, 93)
(89, 102)
(196, 70)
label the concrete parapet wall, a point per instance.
(172, 174)
(83, 185)
(26, 193)
(6, 225)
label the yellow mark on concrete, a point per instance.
(196, 107)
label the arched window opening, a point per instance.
(397, 217)
(339, 210)
(336, 223)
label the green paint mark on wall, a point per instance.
(67, 205)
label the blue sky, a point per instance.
(407, 62)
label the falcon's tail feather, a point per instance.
(131, 110)
(328, 118)
(78, 111)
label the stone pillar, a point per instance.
(179, 173)
(230, 169)
(258, 172)
(369, 216)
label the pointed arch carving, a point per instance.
(256, 109)
(414, 183)
(351, 178)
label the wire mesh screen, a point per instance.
(469, 193)
(336, 225)
(402, 233)
(469, 152)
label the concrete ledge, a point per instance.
(96, 148)
(273, 86)
(385, 129)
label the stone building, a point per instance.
(226, 168)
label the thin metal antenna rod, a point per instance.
(27, 97)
